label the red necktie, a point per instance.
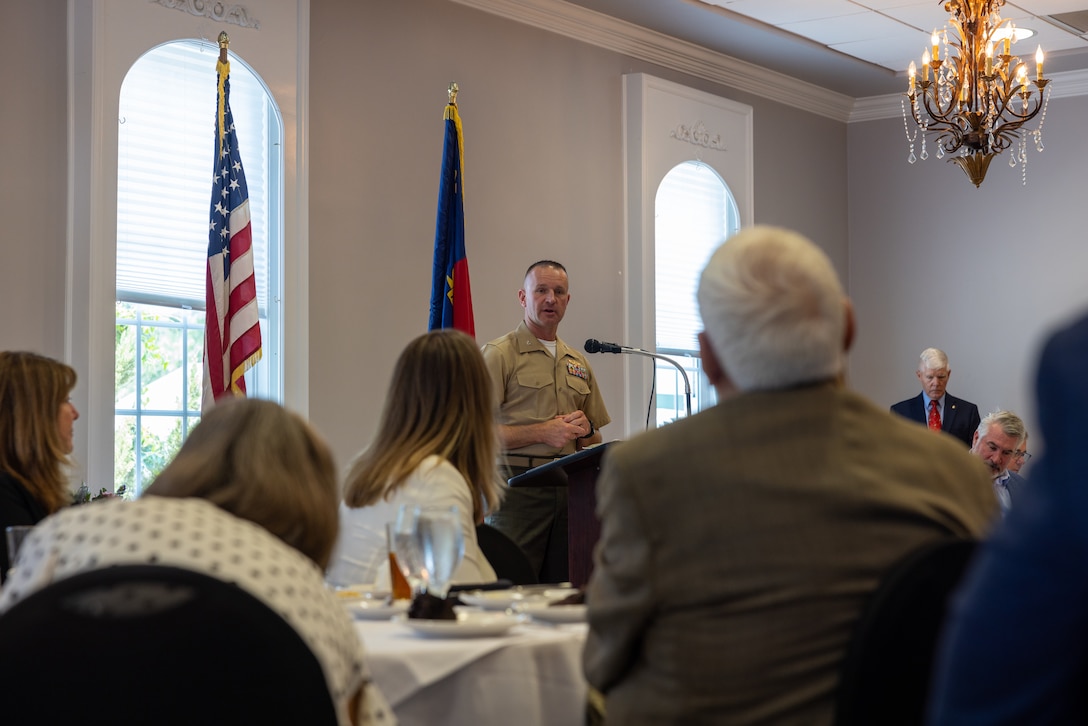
(934, 417)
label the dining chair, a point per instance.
(507, 559)
(884, 678)
(144, 644)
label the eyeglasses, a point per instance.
(1022, 455)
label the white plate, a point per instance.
(503, 599)
(376, 609)
(554, 613)
(467, 625)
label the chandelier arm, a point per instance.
(940, 116)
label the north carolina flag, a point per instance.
(232, 334)
(451, 295)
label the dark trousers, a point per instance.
(536, 518)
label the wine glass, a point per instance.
(404, 546)
(443, 546)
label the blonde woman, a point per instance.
(435, 447)
(36, 421)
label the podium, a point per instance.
(578, 472)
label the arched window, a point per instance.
(694, 212)
(166, 141)
(690, 185)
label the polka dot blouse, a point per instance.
(196, 535)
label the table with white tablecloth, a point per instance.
(531, 676)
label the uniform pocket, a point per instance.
(578, 385)
(528, 379)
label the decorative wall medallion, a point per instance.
(214, 9)
(698, 135)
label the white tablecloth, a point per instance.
(531, 676)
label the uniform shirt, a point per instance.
(530, 386)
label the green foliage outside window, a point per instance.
(157, 389)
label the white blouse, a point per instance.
(362, 553)
(196, 535)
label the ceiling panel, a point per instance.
(856, 47)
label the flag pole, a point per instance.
(451, 296)
(232, 335)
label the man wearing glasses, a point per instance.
(1016, 481)
(996, 441)
(1020, 457)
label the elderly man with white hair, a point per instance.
(738, 546)
(934, 406)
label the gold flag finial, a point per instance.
(224, 41)
(452, 91)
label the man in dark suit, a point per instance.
(950, 414)
(738, 546)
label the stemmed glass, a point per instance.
(442, 545)
(404, 546)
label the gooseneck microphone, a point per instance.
(596, 346)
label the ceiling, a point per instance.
(857, 47)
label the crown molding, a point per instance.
(588, 26)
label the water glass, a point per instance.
(401, 588)
(403, 535)
(443, 547)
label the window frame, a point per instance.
(100, 51)
(665, 124)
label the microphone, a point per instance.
(596, 346)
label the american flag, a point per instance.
(232, 335)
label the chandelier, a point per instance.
(979, 96)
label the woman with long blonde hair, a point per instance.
(36, 418)
(435, 447)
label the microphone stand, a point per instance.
(687, 383)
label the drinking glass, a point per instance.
(403, 535)
(443, 546)
(402, 589)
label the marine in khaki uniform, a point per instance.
(549, 405)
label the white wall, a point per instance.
(981, 273)
(32, 177)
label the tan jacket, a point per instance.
(738, 546)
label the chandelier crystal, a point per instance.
(980, 95)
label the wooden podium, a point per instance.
(578, 472)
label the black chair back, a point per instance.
(142, 644)
(507, 559)
(886, 672)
